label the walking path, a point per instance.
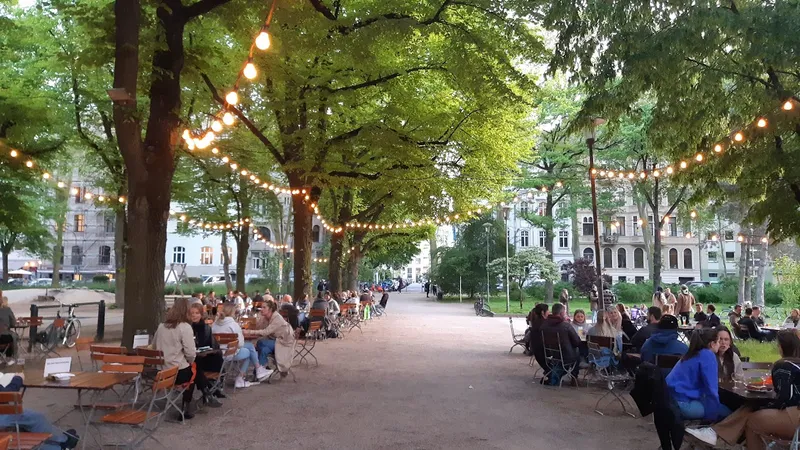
(426, 376)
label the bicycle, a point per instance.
(63, 331)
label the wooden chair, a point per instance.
(83, 344)
(249, 323)
(145, 420)
(5, 442)
(601, 341)
(96, 353)
(11, 404)
(218, 378)
(518, 339)
(226, 338)
(307, 344)
(667, 361)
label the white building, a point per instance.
(523, 233)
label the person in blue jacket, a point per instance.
(694, 384)
(664, 340)
(35, 422)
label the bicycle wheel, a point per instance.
(73, 333)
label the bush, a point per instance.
(633, 294)
(772, 295)
(100, 279)
(194, 280)
(258, 281)
(516, 294)
(709, 294)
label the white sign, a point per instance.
(141, 340)
(57, 365)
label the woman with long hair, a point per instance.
(729, 363)
(534, 343)
(7, 320)
(694, 381)
(779, 418)
(175, 339)
(627, 326)
(226, 324)
(203, 337)
(276, 336)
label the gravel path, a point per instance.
(426, 376)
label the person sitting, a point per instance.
(533, 336)
(712, 319)
(195, 299)
(175, 339)
(303, 304)
(699, 315)
(333, 307)
(570, 341)
(664, 341)
(779, 418)
(733, 318)
(32, 421)
(607, 326)
(750, 329)
(292, 313)
(693, 383)
(730, 365)
(579, 323)
(790, 322)
(258, 298)
(237, 300)
(203, 337)
(7, 320)
(628, 328)
(757, 317)
(653, 316)
(276, 336)
(226, 324)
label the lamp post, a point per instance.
(506, 212)
(488, 227)
(590, 138)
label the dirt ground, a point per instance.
(426, 376)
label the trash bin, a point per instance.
(439, 295)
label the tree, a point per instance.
(787, 271)
(582, 274)
(531, 264)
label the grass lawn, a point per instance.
(759, 352)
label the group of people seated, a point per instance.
(749, 325)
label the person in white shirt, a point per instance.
(793, 320)
(247, 353)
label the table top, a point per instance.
(740, 390)
(772, 328)
(97, 381)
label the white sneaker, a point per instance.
(262, 373)
(241, 383)
(11, 362)
(707, 435)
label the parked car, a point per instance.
(42, 282)
(698, 284)
(212, 280)
(15, 282)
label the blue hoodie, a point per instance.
(696, 379)
(663, 342)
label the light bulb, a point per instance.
(29, 164)
(215, 150)
(788, 105)
(656, 173)
(228, 119)
(210, 136)
(699, 157)
(88, 196)
(101, 198)
(250, 71)
(14, 153)
(46, 176)
(73, 191)
(693, 214)
(688, 235)
(60, 185)
(738, 137)
(762, 123)
(121, 199)
(186, 135)
(262, 41)
(717, 148)
(216, 126)
(232, 98)
(670, 170)
(683, 164)
(225, 159)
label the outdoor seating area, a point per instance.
(693, 379)
(124, 394)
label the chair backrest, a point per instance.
(313, 328)
(83, 344)
(344, 307)
(317, 313)
(98, 351)
(551, 340)
(10, 403)
(756, 366)
(258, 305)
(122, 364)
(151, 357)
(226, 338)
(602, 341)
(667, 361)
(30, 321)
(165, 379)
(5, 442)
(249, 323)
(231, 350)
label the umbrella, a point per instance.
(20, 272)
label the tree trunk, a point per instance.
(242, 251)
(432, 257)
(657, 224)
(120, 247)
(576, 233)
(303, 218)
(760, 279)
(352, 269)
(5, 266)
(226, 262)
(548, 245)
(335, 262)
(721, 253)
(742, 276)
(647, 238)
(58, 250)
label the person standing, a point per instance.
(685, 303)
(659, 300)
(594, 302)
(427, 288)
(564, 299)
(258, 297)
(670, 300)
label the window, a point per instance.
(728, 235)
(80, 223)
(542, 238)
(409, 273)
(712, 257)
(178, 255)
(622, 279)
(206, 256)
(111, 224)
(257, 259)
(315, 234)
(79, 193)
(265, 233)
(77, 256)
(636, 228)
(729, 256)
(542, 208)
(588, 253)
(524, 238)
(687, 259)
(621, 226)
(622, 258)
(563, 239)
(673, 226)
(105, 255)
(608, 258)
(588, 226)
(638, 259)
(523, 208)
(713, 275)
(673, 258)
(638, 280)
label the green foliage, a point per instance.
(530, 264)
(634, 294)
(100, 279)
(787, 272)
(194, 280)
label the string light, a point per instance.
(761, 123)
(232, 98)
(262, 41)
(250, 72)
(738, 137)
(788, 105)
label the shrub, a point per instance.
(100, 279)
(709, 294)
(258, 281)
(516, 294)
(772, 295)
(633, 294)
(194, 280)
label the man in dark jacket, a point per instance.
(712, 319)
(664, 341)
(570, 341)
(34, 422)
(653, 316)
(749, 328)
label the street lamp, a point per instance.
(488, 227)
(506, 212)
(590, 139)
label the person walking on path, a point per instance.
(427, 288)
(684, 305)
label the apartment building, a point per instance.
(523, 233)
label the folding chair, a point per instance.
(153, 362)
(217, 379)
(277, 371)
(96, 353)
(5, 442)
(554, 355)
(602, 363)
(226, 338)
(308, 343)
(317, 315)
(83, 344)
(13, 345)
(144, 419)
(125, 364)
(354, 319)
(47, 341)
(518, 339)
(667, 362)
(27, 323)
(11, 404)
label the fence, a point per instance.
(101, 318)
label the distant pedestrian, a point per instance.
(427, 288)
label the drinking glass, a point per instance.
(738, 378)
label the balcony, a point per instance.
(610, 238)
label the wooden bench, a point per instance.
(27, 441)
(11, 403)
